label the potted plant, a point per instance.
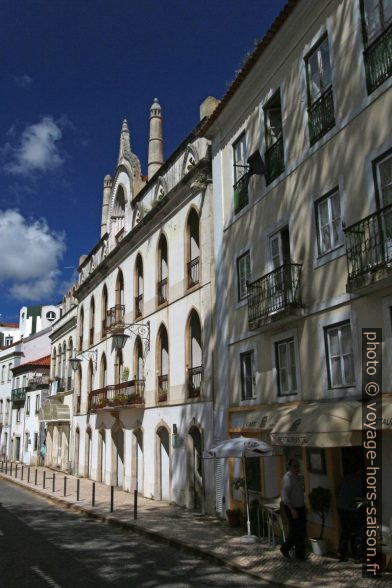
(320, 502)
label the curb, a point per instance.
(153, 535)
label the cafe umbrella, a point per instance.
(240, 447)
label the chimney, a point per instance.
(155, 144)
(208, 106)
(107, 186)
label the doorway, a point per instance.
(118, 446)
(101, 456)
(164, 464)
(195, 469)
(139, 461)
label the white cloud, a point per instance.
(23, 81)
(29, 262)
(37, 148)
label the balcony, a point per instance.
(18, 394)
(241, 193)
(138, 306)
(369, 249)
(38, 382)
(378, 60)
(193, 272)
(162, 291)
(126, 394)
(274, 160)
(275, 296)
(163, 386)
(115, 317)
(194, 381)
(321, 116)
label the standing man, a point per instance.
(294, 506)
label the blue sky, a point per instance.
(71, 71)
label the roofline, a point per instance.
(250, 63)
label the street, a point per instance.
(43, 545)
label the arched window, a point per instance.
(118, 367)
(59, 361)
(163, 364)
(192, 248)
(163, 270)
(139, 286)
(115, 316)
(64, 364)
(91, 321)
(118, 216)
(89, 382)
(54, 364)
(78, 390)
(104, 311)
(194, 354)
(102, 372)
(69, 368)
(138, 361)
(81, 328)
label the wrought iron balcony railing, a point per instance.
(18, 394)
(241, 193)
(277, 291)
(193, 272)
(369, 243)
(115, 317)
(163, 386)
(124, 394)
(138, 306)
(378, 60)
(162, 291)
(321, 116)
(194, 381)
(274, 160)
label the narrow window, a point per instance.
(340, 355)
(329, 223)
(286, 367)
(240, 174)
(274, 155)
(247, 375)
(243, 275)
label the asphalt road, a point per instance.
(43, 545)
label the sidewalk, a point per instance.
(201, 535)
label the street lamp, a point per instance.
(139, 329)
(75, 361)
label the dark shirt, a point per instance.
(349, 490)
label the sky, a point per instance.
(71, 71)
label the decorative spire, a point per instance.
(125, 143)
(155, 145)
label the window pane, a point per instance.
(372, 18)
(348, 369)
(333, 342)
(323, 212)
(283, 355)
(335, 206)
(284, 385)
(387, 6)
(325, 239)
(337, 232)
(314, 77)
(346, 339)
(385, 174)
(336, 375)
(325, 64)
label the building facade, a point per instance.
(302, 175)
(143, 403)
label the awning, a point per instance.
(54, 411)
(386, 420)
(317, 424)
(264, 420)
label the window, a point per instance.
(247, 375)
(286, 367)
(8, 340)
(320, 99)
(9, 375)
(243, 275)
(35, 446)
(28, 405)
(3, 374)
(18, 415)
(37, 403)
(274, 156)
(340, 355)
(193, 248)
(329, 223)
(139, 287)
(377, 38)
(384, 180)
(240, 174)
(163, 271)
